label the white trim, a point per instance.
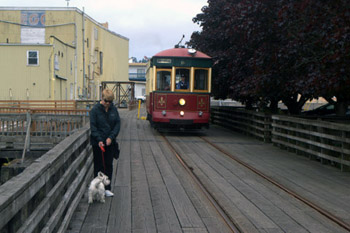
(37, 52)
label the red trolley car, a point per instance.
(178, 85)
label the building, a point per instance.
(137, 74)
(57, 54)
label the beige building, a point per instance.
(57, 54)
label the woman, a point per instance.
(105, 126)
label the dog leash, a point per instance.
(103, 158)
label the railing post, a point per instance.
(27, 139)
(344, 156)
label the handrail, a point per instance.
(67, 111)
(24, 105)
(42, 196)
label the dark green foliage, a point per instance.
(267, 51)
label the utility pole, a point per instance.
(67, 3)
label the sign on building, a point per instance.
(33, 29)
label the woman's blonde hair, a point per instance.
(107, 94)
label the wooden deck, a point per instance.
(154, 194)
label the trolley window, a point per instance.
(182, 79)
(201, 79)
(163, 80)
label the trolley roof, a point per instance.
(181, 57)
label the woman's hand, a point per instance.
(108, 141)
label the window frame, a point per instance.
(189, 79)
(156, 77)
(194, 77)
(37, 57)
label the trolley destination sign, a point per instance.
(183, 59)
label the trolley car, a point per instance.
(178, 85)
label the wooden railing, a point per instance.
(45, 130)
(248, 122)
(50, 121)
(69, 107)
(324, 140)
(61, 111)
(67, 104)
(327, 141)
(44, 196)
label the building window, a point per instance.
(57, 65)
(96, 33)
(32, 58)
(101, 62)
(140, 73)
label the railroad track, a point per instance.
(319, 209)
(228, 219)
(230, 224)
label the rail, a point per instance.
(61, 111)
(310, 203)
(324, 140)
(44, 196)
(327, 141)
(72, 104)
(69, 107)
(248, 122)
(45, 129)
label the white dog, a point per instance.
(97, 188)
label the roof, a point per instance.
(180, 52)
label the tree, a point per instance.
(319, 33)
(266, 51)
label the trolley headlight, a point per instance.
(200, 113)
(164, 112)
(182, 102)
(182, 113)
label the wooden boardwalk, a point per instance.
(153, 193)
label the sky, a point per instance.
(150, 25)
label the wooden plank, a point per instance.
(312, 133)
(80, 211)
(186, 213)
(318, 154)
(142, 213)
(229, 198)
(209, 216)
(312, 143)
(120, 215)
(165, 216)
(316, 123)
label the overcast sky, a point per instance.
(150, 25)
